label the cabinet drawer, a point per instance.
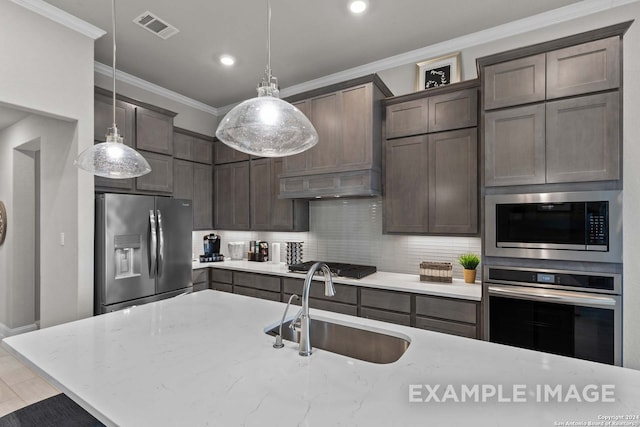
(336, 307)
(257, 281)
(386, 316)
(386, 300)
(256, 293)
(200, 275)
(454, 110)
(461, 329)
(200, 286)
(445, 308)
(224, 276)
(514, 82)
(344, 293)
(224, 287)
(407, 118)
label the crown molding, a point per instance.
(61, 17)
(121, 76)
(542, 20)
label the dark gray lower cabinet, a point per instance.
(200, 279)
(440, 314)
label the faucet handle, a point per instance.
(295, 322)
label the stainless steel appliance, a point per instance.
(353, 271)
(571, 313)
(575, 226)
(142, 250)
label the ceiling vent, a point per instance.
(157, 26)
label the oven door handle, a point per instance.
(551, 295)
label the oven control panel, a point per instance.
(564, 279)
(597, 226)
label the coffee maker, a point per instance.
(211, 243)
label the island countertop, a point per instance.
(204, 359)
(381, 280)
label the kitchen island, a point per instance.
(204, 359)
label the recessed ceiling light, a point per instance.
(227, 60)
(358, 6)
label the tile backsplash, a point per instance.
(350, 230)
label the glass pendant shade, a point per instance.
(113, 159)
(267, 126)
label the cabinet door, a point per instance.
(103, 119)
(514, 82)
(453, 182)
(182, 146)
(154, 131)
(231, 182)
(202, 151)
(261, 194)
(406, 185)
(160, 179)
(584, 68)
(453, 110)
(282, 210)
(515, 146)
(298, 162)
(407, 118)
(182, 179)
(357, 127)
(325, 117)
(583, 139)
(226, 154)
(202, 197)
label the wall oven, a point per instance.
(576, 314)
(575, 226)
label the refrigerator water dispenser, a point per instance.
(127, 256)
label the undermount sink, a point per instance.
(361, 344)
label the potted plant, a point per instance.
(469, 262)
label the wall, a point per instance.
(188, 117)
(48, 69)
(401, 80)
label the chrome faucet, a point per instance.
(303, 315)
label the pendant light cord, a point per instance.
(269, 41)
(113, 25)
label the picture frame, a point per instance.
(438, 71)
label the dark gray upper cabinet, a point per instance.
(160, 179)
(268, 212)
(431, 180)
(126, 122)
(154, 131)
(583, 138)
(347, 159)
(453, 182)
(225, 154)
(407, 118)
(515, 82)
(231, 191)
(453, 110)
(192, 146)
(406, 185)
(515, 146)
(588, 67)
(194, 181)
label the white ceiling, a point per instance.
(310, 39)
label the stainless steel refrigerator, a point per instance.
(142, 250)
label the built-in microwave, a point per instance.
(576, 226)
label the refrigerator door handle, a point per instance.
(160, 244)
(153, 245)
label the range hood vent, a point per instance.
(157, 26)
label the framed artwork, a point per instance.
(438, 71)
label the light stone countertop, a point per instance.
(203, 359)
(381, 280)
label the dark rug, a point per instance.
(56, 411)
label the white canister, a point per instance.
(275, 253)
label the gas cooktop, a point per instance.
(353, 271)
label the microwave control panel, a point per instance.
(597, 226)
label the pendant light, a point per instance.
(113, 159)
(267, 126)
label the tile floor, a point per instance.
(19, 385)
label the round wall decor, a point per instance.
(3, 222)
